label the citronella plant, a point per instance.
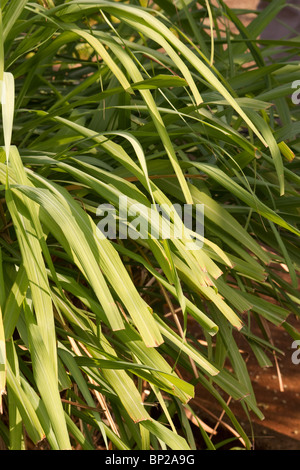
(103, 340)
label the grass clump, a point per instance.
(103, 341)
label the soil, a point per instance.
(280, 429)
